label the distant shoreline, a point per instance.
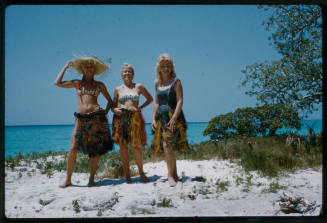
(39, 125)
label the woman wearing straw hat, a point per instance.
(168, 120)
(128, 123)
(91, 133)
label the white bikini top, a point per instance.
(129, 96)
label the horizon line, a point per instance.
(21, 125)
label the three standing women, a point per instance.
(91, 134)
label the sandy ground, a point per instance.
(226, 191)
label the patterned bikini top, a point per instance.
(92, 90)
(129, 96)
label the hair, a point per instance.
(126, 65)
(164, 58)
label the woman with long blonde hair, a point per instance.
(168, 122)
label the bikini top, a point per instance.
(128, 96)
(167, 98)
(92, 90)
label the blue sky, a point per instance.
(210, 45)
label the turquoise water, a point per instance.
(56, 138)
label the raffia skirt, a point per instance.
(92, 133)
(129, 129)
(176, 140)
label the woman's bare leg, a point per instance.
(71, 160)
(171, 164)
(138, 160)
(125, 160)
(94, 165)
(175, 170)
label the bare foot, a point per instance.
(91, 184)
(172, 182)
(144, 178)
(128, 180)
(65, 184)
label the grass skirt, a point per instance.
(176, 140)
(93, 134)
(129, 129)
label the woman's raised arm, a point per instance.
(64, 84)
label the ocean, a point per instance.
(56, 138)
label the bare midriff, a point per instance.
(87, 104)
(129, 105)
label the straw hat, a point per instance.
(99, 66)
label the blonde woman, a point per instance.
(128, 123)
(168, 120)
(91, 133)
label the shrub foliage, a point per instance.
(258, 121)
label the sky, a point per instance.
(209, 44)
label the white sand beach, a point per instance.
(226, 191)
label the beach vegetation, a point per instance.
(76, 206)
(45, 202)
(192, 196)
(249, 122)
(274, 187)
(99, 214)
(41, 202)
(249, 180)
(222, 186)
(287, 90)
(296, 78)
(204, 190)
(111, 166)
(146, 211)
(165, 203)
(269, 155)
(248, 183)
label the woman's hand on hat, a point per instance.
(69, 64)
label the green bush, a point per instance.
(249, 122)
